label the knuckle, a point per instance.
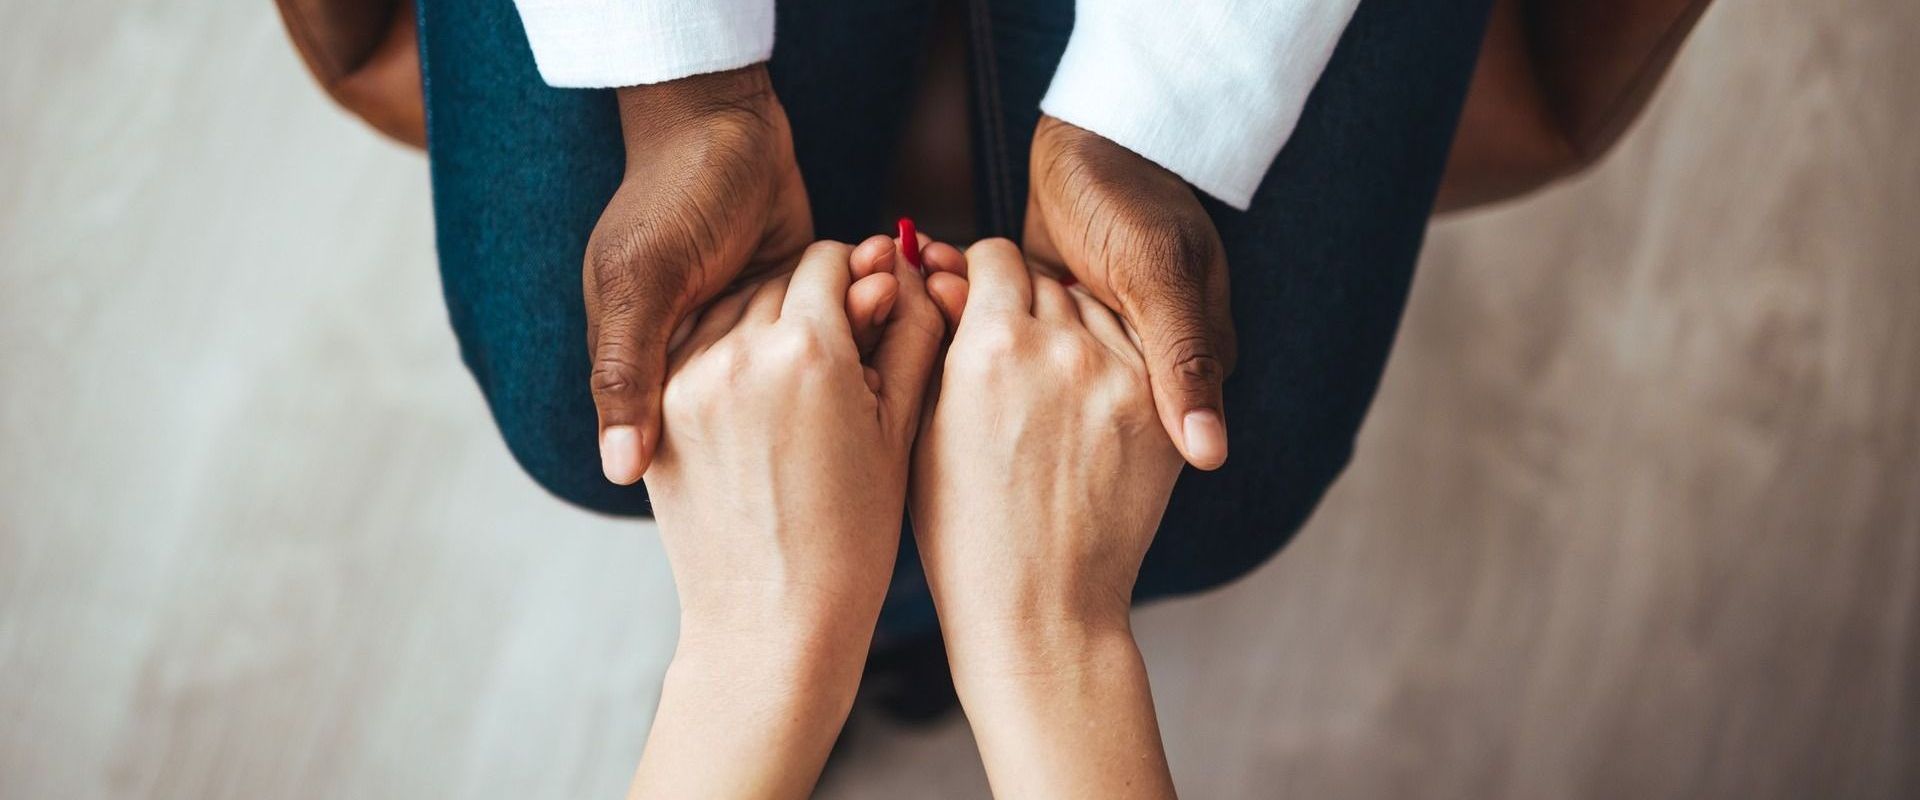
(1112, 398)
(796, 349)
(1072, 356)
(985, 351)
(998, 247)
(1109, 402)
(724, 360)
(1195, 349)
(703, 386)
(996, 340)
(686, 395)
(1197, 370)
(827, 248)
(615, 377)
(726, 355)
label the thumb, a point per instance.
(908, 348)
(1187, 340)
(633, 310)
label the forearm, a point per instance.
(774, 630)
(1209, 89)
(748, 713)
(693, 104)
(1062, 709)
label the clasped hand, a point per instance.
(784, 428)
(804, 413)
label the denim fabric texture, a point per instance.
(1320, 264)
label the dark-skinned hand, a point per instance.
(1135, 235)
(711, 193)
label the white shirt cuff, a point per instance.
(606, 43)
(1209, 89)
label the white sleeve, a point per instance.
(602, 43)
(1209, 89)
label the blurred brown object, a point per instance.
(1557, 84)
(364, 54)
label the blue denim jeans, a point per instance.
(1320, 263)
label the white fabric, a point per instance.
(1209, 89)
(601, 43)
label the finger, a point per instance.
(1104, 325)
(632, 313)
(876, 254)
(949, 292)
(819, 287)
(1051, 303)
(998, 277)
(869, 301)
(943, 257)
(946, 276)
(908, 349)
(910, 242)
(764, 306)
(1186, 355)
(926, 255)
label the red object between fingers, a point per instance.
(910, 243)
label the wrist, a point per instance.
(1031, 616)
(749, 714)
(781, 625)
(650, 111)
(1036, 652)
(797, 629)
(784, 661)
(1066, 713)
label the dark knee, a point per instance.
(1222, 526)
(558, 451)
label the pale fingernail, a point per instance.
(1206, 437)
(880, 314)
(620, 454)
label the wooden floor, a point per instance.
(1637, 513)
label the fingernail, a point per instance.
(1206, 437)
(880, 314)
(1068, 280)
(620, 454)
(909, 242)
